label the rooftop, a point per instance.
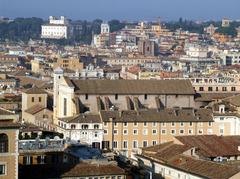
(132, 86)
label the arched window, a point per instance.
(3, 143)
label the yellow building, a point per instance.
(8, 150)
(127, 131)
(69, 63)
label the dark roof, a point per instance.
(84, 170)
(209, 145)
(24, 80)
(69, 170)
(9, 125)
(133, 87)
(82, 118)
(166, 115)
(165, 151)
(234, 100)
(203, 168)
(35, 109)
(172, 155)
(208, 97)
(35, 90)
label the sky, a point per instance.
(123, 9)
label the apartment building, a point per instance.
(131, 61)
(216, 84)
(230, 57)
(70, 63)
(9, 150)
(127, 131)
(84, 128)
(8, 61)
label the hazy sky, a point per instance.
(122, 9)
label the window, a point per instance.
(2, 169)
(27, 160)
(173, 123)
(32, 99)
(173, 131)
(125, 124)
(224, 88)
(154, 142)
(145, 131)
(135, 131)
(105, 123)
(216, 88)
(163, 131)
(116, 96)
(86, 96)
(115, 144)
(115, 131)
(3, 143)
(39, 99)
(201, 89)
(125, 131)
(163, 124)
(200, 131)
(65, 106)
(190, 131)
(221, 118)
(145, 124)
(125, 144)
(181, 131)
(145, 143)
(190, 124)
(145, 96)
(135, 124)
(96, 126)
(154, 131)
(154, 124)
(233, 88)
(105, 132)
(73, 126)
(210, 89)
(135, 144)
(209, 123)
(41, 159)
(85, 126)
(115, 124)
(181, 124)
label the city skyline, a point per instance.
(123, 10)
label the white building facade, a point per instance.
(56, 29)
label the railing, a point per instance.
(41, 145)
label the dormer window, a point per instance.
(84, 126)
(222, 108)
